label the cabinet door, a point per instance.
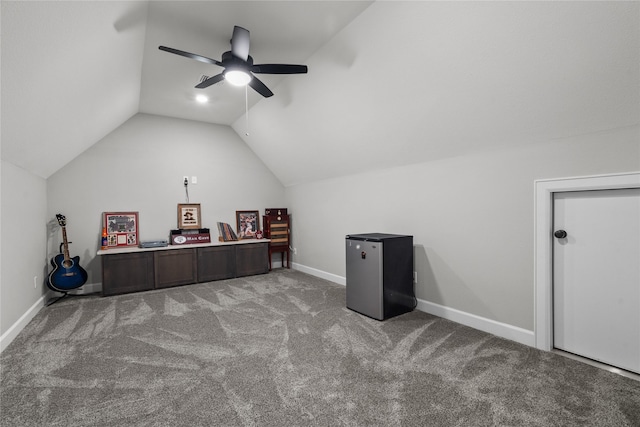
(175, 267)
(216, 263)
(252, 259)
(364, 277)
(122, 273)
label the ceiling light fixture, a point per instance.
(239, 65)
(202, 99)
(237, 77)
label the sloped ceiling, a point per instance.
(389, 83)
(410, 82)
(70, 75)
(74, 71)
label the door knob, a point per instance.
(560, 234)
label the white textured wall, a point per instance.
(23, 239)
(472, 218)
(139, 167)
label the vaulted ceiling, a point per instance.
(74, 71)
(389, 83)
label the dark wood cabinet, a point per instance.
(252, 259)
(277, 228)
(216, 263)
(137, 270)
(175, 267)
(122, 273)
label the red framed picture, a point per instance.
(122, 229)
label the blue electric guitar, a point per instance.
(67, 273)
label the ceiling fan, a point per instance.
(238, 65)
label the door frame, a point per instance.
(544, 190)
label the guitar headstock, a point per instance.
(62, 220)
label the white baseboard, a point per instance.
(503, 330)
(88, 288)
(24, 320)
(319, 273)
(20, 324)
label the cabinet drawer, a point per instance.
(175, 267)
(279, 233)
(216, 263)
(122, 273)
(252, 259)
(280, 242)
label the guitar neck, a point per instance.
(65, 244)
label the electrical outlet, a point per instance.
(194, 179)
(415, 277)
(35, 282)
(295, 251)
(185, 179)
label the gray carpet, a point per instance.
(282, 350)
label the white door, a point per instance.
(596, 275)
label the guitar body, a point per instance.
(64, 278)
(67, 273)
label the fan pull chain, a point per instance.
(246, 106)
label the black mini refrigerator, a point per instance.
(380, 274)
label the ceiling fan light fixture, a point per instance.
(238, 65)
(237, 77)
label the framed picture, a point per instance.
(189, 216)
(122, 229)
(248, 224)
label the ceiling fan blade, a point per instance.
(260, 87)
(278, 69)
(210, 81)
(240, 43)
(191, 55)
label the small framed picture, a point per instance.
(189, 216)
(248, 224)
(122, 229)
